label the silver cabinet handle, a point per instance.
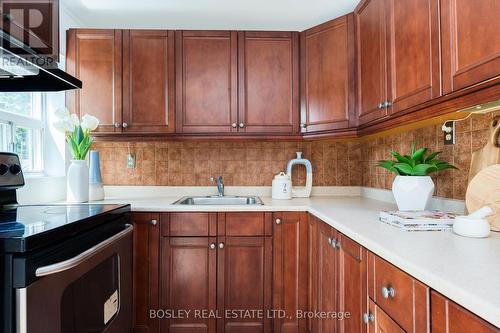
(234, 125)
(381, 105)
(388, 292)
(125, 125)
(278, 221)
(330, 241)
(221, 245)
(153, 222)
(212, 246)
(241, 125)
(117, 125)
(368, 317)
(302, 125)
(336, 244)
(75, 261)
(388, 104)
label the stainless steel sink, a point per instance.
(219, 200)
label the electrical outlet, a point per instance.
(130, 161)
(449, 132)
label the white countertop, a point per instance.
(465, 270)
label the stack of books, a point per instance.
(419, 221)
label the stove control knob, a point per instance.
(15, 169)
(3, 169)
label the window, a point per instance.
(22, 127)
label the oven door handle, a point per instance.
(75, 261)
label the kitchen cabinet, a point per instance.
(148, 81)
(404, 299)
(188, 282)
(449, 317)
(328, 67)
(379, 322)
(370, 18)
(146, 245)
(95, 57)
(206, 81)
(290, 270)
(413, 53)
(268, 76)
(470, 43)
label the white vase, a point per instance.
(77, 189)
(412, 193)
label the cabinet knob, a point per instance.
(388, 292)
(381, 105)
(330, 241)
(302, 125)
(278, 221)
(212, 246)
(221, 245)
(234, 125)
(153, 222)
(368, 317)
(117, 125)
(125, 125)
(241, 125)
(336, 244)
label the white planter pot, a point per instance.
(77, 189)
(412, 192)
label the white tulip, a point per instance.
(74, 120)
(89, 122)
(64, 125)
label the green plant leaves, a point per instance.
(415, 164)
(79, 143)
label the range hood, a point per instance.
(22, 69)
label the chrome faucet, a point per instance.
(220, 185)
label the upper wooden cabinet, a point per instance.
(128, 79)
(370, 16)
(206, 81)
(470, 43)
(95, 57)
(148, 81)
(413, 53)
(268, 82)
(327, 64)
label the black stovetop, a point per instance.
(24, 228)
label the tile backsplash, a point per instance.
(254, 163)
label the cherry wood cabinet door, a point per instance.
(290, 270)
(470, 43)
(312, 253)
(146, 247)
(206, 81)
(327, 278)
(188, 282)
(352, 287)
(268, 82)
(381, 322)
(370, 18)
(449, 317)
(148, 81)
(413, 52)
(244, 281)
(328, 91)
(95, 57)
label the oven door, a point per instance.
(89, 292)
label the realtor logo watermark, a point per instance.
(31, 23)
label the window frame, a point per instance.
(14, 120)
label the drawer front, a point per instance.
(190, 225)
(245, 224)
(402, 297)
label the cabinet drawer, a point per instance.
(190, 225)
(245, 224)
(402, 297)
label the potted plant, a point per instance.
(79, 141)
(413, 187)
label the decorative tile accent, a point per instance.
(254, 163)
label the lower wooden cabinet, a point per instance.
(146, 246)
(449, 317)
(380, 322)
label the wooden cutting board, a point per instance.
(489, 154)
(484, 190)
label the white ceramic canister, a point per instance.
(282, 186)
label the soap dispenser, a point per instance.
(301, 191)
